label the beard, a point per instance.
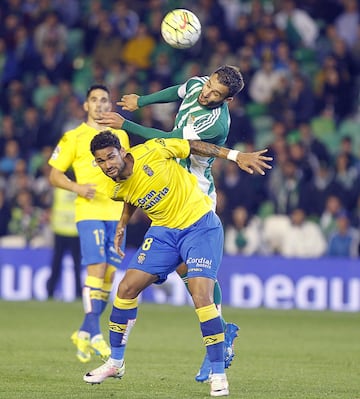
(210, 104)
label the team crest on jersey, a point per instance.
(148, 170)
(190, 120)
(141, 258)
(161, 141)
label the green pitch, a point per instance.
(279, 354)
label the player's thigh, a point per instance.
(92, 241)
(202, 247)
(158, 254)
(134, 282)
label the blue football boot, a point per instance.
(205, 370)
(230, 334)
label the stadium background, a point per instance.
(301, 100)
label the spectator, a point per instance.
(54, 64)
(347, 23)
(10, 158)
(29, 131)
(305, 162)
(344, 241)
(243, 235)
(51, 32)
(107, 46)
(301, 100)
(241, 128)
(347, 177)
(7, 133)
(4, 213)
(327, 221)
(27, 220)
(264, 82)
(299, 27)
(18, 180)
(313, 146)
(347, 147)
(124, 20)
(240, 190)
(314, 193)
(303, 238)
(25, 52)
(286, 193)
(138, 50)
(66, 239)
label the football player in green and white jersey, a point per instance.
(203, 115)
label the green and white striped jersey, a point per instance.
(198, 122)
(192, 122)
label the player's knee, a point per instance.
(97, 270)
(202, 299)
(127, 291)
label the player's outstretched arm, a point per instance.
(132, 102)
(249, 162)
(116, 121)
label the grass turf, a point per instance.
(280, 354)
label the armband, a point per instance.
(232, 155)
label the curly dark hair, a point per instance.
(231, 77)
(104, 139)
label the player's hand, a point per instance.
(86, 190)
(118, 240)
(251, 162)
(110, 119)
(129, 102)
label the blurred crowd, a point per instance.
(301, 66)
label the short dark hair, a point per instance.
(95, 87)
(103, 140)
(231, 77)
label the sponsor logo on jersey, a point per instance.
(152, 198)
(199, 263)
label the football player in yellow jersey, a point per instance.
(202, 115)
(184, 228)
(96, 218)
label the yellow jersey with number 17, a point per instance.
(163, 189)
(73, 150)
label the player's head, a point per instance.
(231, 77)
(97, 101)
(221, 86)
(108, 153)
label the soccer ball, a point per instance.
(180, 28)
